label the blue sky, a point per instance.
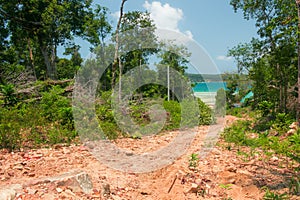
(211, 23)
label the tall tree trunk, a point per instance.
(298, 102)
(53, 62)
(44, 51)
(49, 60)
(31, 58)
(120, 79)
(116, 56)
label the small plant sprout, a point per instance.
(193, 161)
(226, 186)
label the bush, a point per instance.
(237, 133)
(282, 122)
(139, 113)
(10, 137)
(28, 125)
(106, 116)
(174, 115)
(220, 109)
(8, 92)
(206, 114)
(56, 107)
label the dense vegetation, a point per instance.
(37, 84)
(269, 62)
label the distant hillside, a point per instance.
(195, 78)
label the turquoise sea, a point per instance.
(207, 91)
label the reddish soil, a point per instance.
(220, 174)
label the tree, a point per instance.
(44, 25)
(116, 56)
(276, 22)
(136, 41)
(176, 57)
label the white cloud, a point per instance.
(116, 15)
(166, 16)
(224, 58)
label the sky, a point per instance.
(213, 24)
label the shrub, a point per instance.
(56, 107)
(174, 114)
(206, 114)
(10, 137)
(220, 109)
(281, 122)
(106, 116)
(237, 133)
(8, 92)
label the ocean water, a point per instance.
(207, 91)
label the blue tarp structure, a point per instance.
(247, 96)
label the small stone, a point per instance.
(291, 131)
(115, 197)
(77, 182)
(18, 167)
(59, 190)
(216, 151)
(231, 169)
(231, 181)
(106, 189)
(37, 156)
(69, 194)
(11, 173)
(145, 193)
(31, 191)
(194, 188)
(198, 181)
(274, 159)
(294, 125)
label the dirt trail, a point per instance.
(220, 174)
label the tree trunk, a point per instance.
(116, 56)
(120, 79)
(31, 59)
(49, 61)
(298, 102)
(46, 59)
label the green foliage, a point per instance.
(239, 132)
(266, 108)
(206, 116)
(57, 107)
(10, 137)
(110, 129)
(232, 86)
(106, 117)
(242, 112)
(226, 186)
(174, 117)
(273, 196)
(8, 92)
(193, 161)
(282, 122)
(278, 122)
(294, 186)
(220, 109)
(25, 125)
(66, 69)
(138, 111)
(270, 60)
